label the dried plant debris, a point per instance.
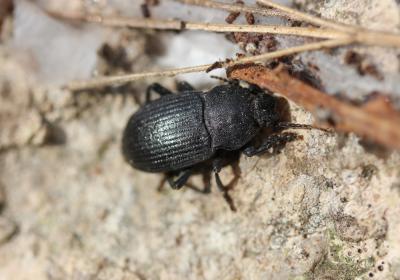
(376, 120)
(255, 43)
(362, 65)
(232, 17)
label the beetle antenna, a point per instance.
(289, 125)
(228, 81)
(220, 78)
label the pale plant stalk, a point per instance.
(213, 27)
(119, 79)
(270, 29)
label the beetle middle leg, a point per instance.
(217, 164)
(272, 141)
(181, 181)
(156, 87)
(206, 183)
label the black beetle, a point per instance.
(178, 132)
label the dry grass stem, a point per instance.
(270, 29)
(119, 79)
(126, 78)
(118, 21)
(213, 27)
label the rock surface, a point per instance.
(71, 208)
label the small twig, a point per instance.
(121, 79)
(235, 8)
(365, 121)
(297, 15)
(270, 29)
(104, 81)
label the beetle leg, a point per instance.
(156, 87)
(221, 187)
(272, 141)
(181, 181)
(207, 185)
(160, 187)
(183, 86)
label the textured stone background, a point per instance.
(70, 208)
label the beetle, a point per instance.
(177, 133)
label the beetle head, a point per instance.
(266, 110)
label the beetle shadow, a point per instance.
(55, 133)
(283, 107)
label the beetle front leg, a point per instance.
(272, 141)
(181, 181)
(221, 187)
(156, 87)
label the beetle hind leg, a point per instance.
(157, 88)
